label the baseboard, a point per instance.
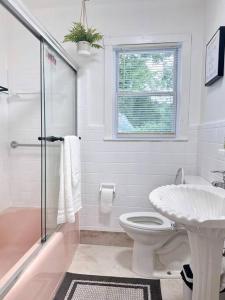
(106, 238)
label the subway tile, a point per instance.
(135, 167)
(209, 158)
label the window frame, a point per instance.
(147, 47)
(183, 81)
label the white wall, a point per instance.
(4, 158)
(213, 96)
(135, 167)
(212, 129)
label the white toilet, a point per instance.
(150, 231)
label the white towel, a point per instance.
(70, 180)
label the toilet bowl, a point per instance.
(150, 231)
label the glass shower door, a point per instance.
(59, 120)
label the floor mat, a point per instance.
(91, 287)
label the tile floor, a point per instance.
(116, 261)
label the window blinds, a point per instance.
(146, 90)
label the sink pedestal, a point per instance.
(206, 261)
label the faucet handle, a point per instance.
(219, 172)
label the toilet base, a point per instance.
(143, 259)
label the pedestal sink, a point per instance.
(201, 209)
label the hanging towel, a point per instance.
(70, 180)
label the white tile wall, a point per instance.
(25, 163)
(135, 167)
(211, 140)
(24, 116)
(5, 200)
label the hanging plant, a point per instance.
(85, 37)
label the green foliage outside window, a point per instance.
(146, 91)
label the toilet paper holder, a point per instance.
(108, 186)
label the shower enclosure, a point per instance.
(37, 109)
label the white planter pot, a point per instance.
(84, 48)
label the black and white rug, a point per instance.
(90, 287)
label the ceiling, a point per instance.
(53, 3)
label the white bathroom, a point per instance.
(127, 123)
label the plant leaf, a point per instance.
(97, 46)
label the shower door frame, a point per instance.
(22, 14)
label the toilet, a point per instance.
(151, 231)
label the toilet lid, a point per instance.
(147, 221)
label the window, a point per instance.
(146, 90)
(147, 87)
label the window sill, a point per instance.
(146, 140)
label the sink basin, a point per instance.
(201, 209)
(194, 205)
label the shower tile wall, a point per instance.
(4, 158)
(5, 200)
(19, 114)
(25, 163)
(24, 116)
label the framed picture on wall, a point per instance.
(214, 68)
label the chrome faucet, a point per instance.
(219, 183)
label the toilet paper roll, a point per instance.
(106, 200)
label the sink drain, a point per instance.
(169, 273)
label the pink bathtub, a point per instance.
(19, 231)
(20, 240)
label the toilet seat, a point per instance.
(151, 221)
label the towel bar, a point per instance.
(15, 144)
